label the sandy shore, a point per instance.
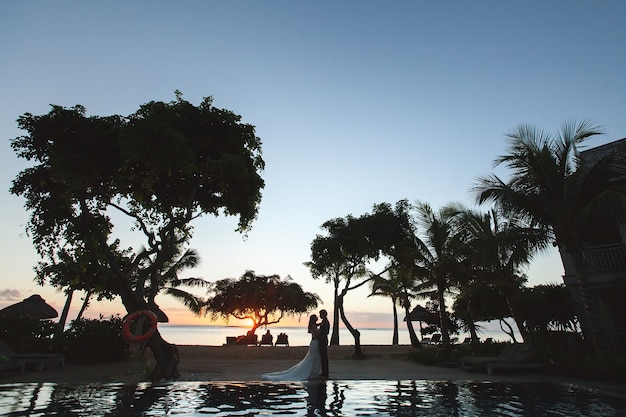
(247, 363)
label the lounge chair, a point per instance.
(282, 339)
(248, 339)
(435, 339)
(267, 339)
(38, 360)
(12, 364)
(480, 361)
(514, 356)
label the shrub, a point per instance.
(585, 364)
(432, 355)
(90, 340)
(428, 355)
(27, 333)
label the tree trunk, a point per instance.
(409, 325)
(358, 353)
(165, 354)
(58, 335)
(334, 337)
(84, 306)
(509, 297)
(443, 318)
(166, 357)
(394, 339)
(590, 322)
(511, 333)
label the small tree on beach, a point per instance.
(264, 299)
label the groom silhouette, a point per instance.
(322, 338)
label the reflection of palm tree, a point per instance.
(551, 187)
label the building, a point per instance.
(604, 253)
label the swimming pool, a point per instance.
(315, 398)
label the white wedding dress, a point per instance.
(307, 368)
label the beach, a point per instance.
(247, 363)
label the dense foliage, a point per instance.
(28, 333)
(90, 340)
(157, 169)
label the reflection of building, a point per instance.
(604, 262)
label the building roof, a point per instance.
(593, 154)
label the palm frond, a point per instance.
(192, 302)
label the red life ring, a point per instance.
(134, 322)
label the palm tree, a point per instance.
(399, 285)
(189, 259)
(439, 262)
(550, 187)
(389, 287)
(497, 246)
(170, 283)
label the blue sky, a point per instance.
(356, 102)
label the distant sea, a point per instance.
(216, 335)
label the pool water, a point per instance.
(315, 398)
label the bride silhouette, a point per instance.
(309, 367)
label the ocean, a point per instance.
(216, 335)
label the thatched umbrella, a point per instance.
(421, 314)
(32, 306)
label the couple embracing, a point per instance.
(315, 363)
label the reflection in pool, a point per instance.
(315, 398)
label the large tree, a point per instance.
(351, 245)
(551, 187)
(339, 257)
(152, 173)
(263, 299)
